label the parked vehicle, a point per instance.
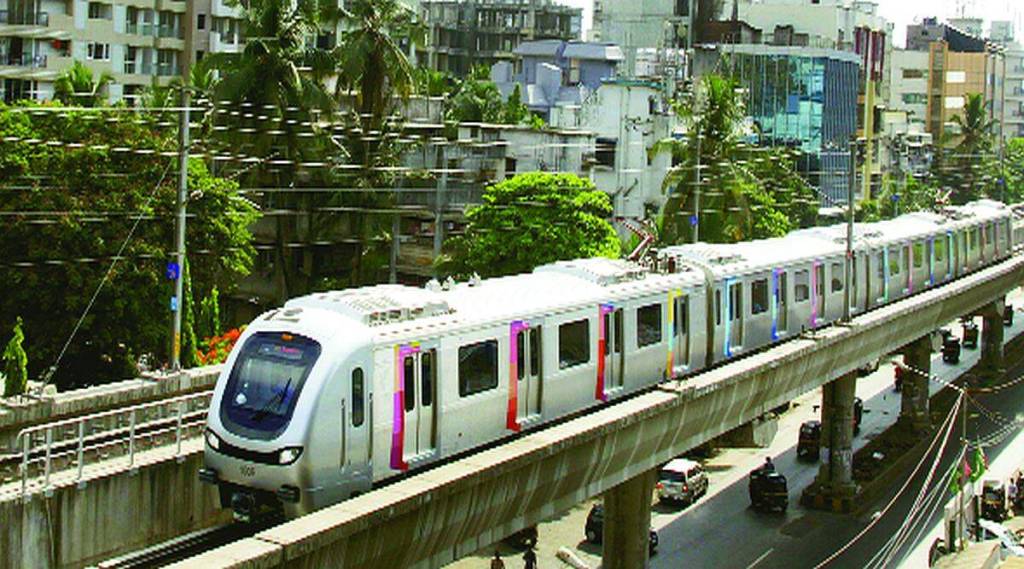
(682, 481)
(1009, 543)
(809, 443)
(526, 537)
(1008, 315)
(768, 490)
(950, 347)
(594, 529)
(970, 334)
(994, 500)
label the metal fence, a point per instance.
(116, 435)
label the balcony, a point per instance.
(143, 29)
(31, 61)
(167, 69)
(169, 32)
(20, 19)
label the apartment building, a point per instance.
(1012, 119)
(641, 25)
(138, 42)
(462, 34)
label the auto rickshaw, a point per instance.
(970, 333)
(950, 347)
(809, 443)
(768, 490)
(993, 500)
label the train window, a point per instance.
(837, 277)
(940, 249)
(895, 260)
(990, 234)
(735, 301)
(918, 255)
(718, 307)
(409, 378)
(681, 316)
(759, 296)
(535, 351)
(648, 325)
(427, 378)
(520, 355)
(573, 343)
(357, 397)
(880, 266)
(478, 367)
(801, 285)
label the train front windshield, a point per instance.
(265, 383)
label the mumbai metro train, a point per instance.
(337, 392)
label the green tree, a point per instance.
(743, 192)
(516, 111)
(15, 363)
(529, 220)
(965, 164)
(76, 86)
(1013, 170)
(209, 315)
(188, 321)
(477, 100)
(80, 202)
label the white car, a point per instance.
(1010, 544)
(682, 481)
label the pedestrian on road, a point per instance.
(497, 563)
(530, 558)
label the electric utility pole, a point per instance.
(178, 303)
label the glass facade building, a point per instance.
(801, 98)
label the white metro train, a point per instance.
(339, 391)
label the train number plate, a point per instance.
(248, 470)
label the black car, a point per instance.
(594, 529)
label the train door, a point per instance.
(355, 447)
(528, 373)
(681, 325)
(420, 390)
(780, 299)
(614, 337)
(853, 283)
(734, 313)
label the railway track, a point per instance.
(189, 545)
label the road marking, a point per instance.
(760, 559)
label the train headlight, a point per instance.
(289, 455)
(212, 440)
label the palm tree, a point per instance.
(372, 54)
(266, 105)
(969, 175)
(76, 86)
(744, 192)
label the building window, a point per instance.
(98, 51)
(759, 296)
(956, 102)
(914, 99)
(99, 11)
(648, 325)
(956, 77)
(573, 343)
(605, 152)
(915, 73)
(199, 55)
(478, 367)
(201, 21)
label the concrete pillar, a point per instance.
(834, 489)
(627, 523)
(917, 356)
(992, 340)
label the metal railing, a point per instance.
(23, 60)
(24, 19)
(116, 435)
